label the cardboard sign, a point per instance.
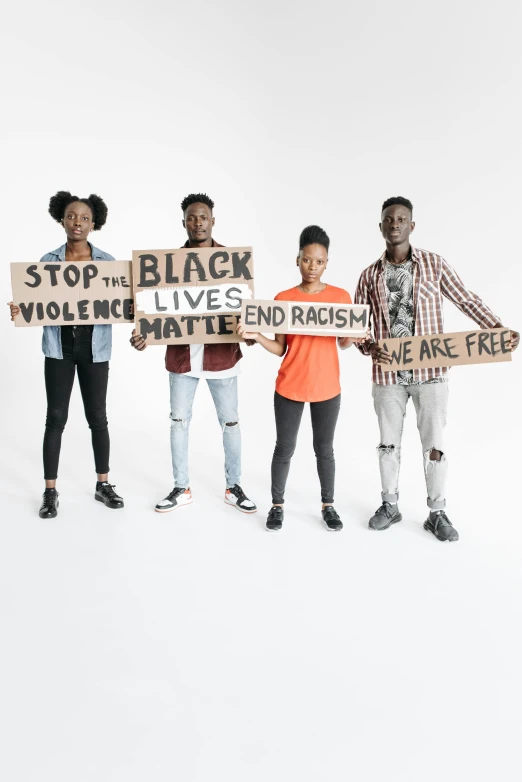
(191, 295)
(298, 317)
(72, 294)
(484, 346)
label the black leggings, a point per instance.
(288, 416)
(59, 379)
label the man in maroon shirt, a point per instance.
(187, 364)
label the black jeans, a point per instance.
(59, 379)
(288, 416)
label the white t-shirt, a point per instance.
(196, 366)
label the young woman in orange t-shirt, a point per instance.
(309, 372)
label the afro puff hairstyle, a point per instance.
(196, 198)
(59, 203)
(312, 234)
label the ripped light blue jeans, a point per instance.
(431, 404)
(224, 394)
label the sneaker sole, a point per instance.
(112, 507)
(243, 510)
(273, 529)
(381, 529)
(331, 529)
(175, 507)
(442, 540)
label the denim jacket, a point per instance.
(101, 335)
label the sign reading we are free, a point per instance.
(191, 295)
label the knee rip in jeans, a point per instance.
(178, 423)
(231, 426)
(385, 449)
(434, 455)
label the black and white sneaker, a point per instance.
(178, 496)
(235, 496)
(275, 518)
(331, 519)
(49, 507)
(105, 493)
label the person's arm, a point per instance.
(470, 304)
(362, 296)
(276, 346)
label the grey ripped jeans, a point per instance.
(431, 404)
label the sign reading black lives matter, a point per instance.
(68, 294)
(298, 317)
(191, 295)
(485, 346)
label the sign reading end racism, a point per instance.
(191, 295)
(68, 294)
(485, 346)
(312, 318)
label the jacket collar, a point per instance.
(95, 253)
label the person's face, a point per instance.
(312, 261)
(396, 224)
(77, 221)
(198, 222)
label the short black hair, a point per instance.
(196, 198)
(59, 203)
(397, 200)
(313, 234)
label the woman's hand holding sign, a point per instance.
(14, 310)
(276, 346)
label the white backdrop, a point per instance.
(194, 645)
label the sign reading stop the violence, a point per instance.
(60, 294)
(191, 295)
(485, 346)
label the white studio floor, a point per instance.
(196, 646)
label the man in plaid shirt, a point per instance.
(404, 289)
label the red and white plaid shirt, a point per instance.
(433, 278)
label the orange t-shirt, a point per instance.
(309, 371)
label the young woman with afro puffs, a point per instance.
(68, 350)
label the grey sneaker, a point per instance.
(438, 523)
(385, 516)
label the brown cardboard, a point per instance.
(482, 346)
(298, 317)
(191, 295)
(72, 294)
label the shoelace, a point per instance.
(109, 490)
(175, 493)
(274, 513)
(50, 496)
(238, 492)
(330, 514)
(442, 521)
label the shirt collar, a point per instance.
(415, 256)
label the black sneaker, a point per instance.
(438, 523)
(331, 519)
(275, 518)
(235, 496)
(105, 493)
(385, 516)
(178, 496)
(49, 507)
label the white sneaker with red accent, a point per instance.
(177, 497)
(235, 496)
